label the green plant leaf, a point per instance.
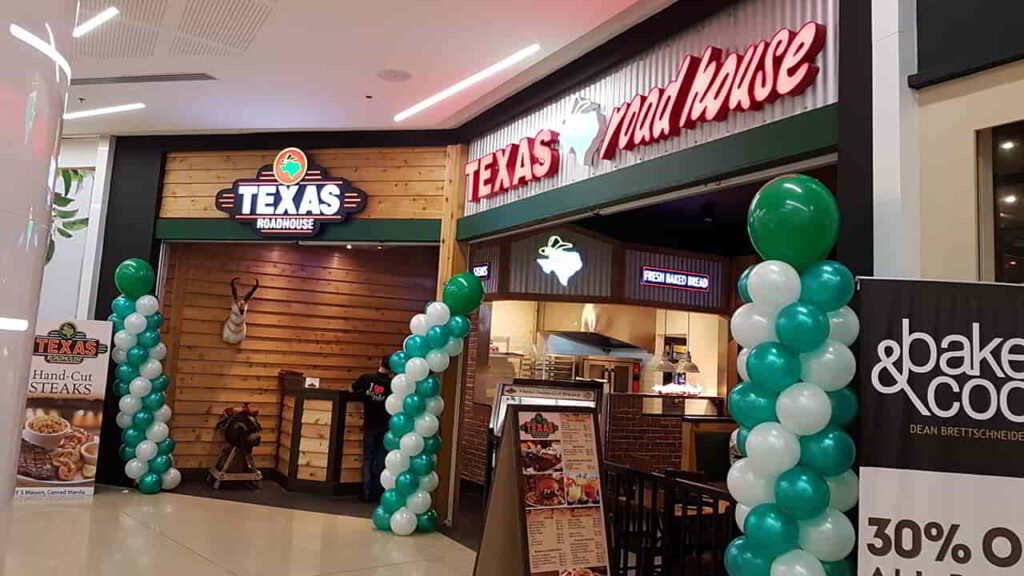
(63, 232)
(62, 201)
(76, 225)
(65, 214)
(65, 175)
(50, 249)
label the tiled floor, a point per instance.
(129, 534)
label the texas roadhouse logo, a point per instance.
(67, 345)
(539, 427)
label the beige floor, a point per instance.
(129, 534)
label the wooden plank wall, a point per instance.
(325, 311)
(400, 182)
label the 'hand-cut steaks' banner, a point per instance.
(942, 428)
(291, 198)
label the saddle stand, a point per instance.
(219, 472)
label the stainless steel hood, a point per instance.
(606, 326)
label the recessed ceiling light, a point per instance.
(349, 246)
(47, 48)
(1007, 144)
(90, 24)
(392, 75)
(102, 111)
(467, 82)
(1010, 199)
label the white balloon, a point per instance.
(830, 367)
(170, 479)
(125, 339)
(435, 405)
(119, 355)
(146, 450)
(411, 444)
(124, 420)
(844, 490)
(427, 425)
(418, 502)
(157, 432)
(772, 449)
(749, 486)
(419, 325)
(741, 515)
(403, 385)
(797, 563)
(151, 369)
(393, 404)
(387, 479)
(129, 404)
(773, 285)
(741, 364)
(454, 346)
(140, 386)
(158, 352)
(416, 369)
(396, 462)
(135, 323)
(403, 522)
(429, 482)
(803, 409)
(438, 360)
(752, 325)
(844, 325)
(163, 414)
(438, 313)
(135, 468)
(829, 537)
(147, 305)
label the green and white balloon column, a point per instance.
(415, 406)
(140, 382)
(795, 483)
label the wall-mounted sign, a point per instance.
(482, 270)
(512, 166)
(559, 259)
(651, 276)
(291, 197)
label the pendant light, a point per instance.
(686, 364)
(665, 365)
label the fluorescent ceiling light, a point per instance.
(13, 324)
(466, 83)
(43, 46)
(88, 26)
(101, 111)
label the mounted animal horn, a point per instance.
(234, 326)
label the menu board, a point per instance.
(548, 490)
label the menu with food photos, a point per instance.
(549, 468)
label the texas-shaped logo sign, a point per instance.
(582, 130)
(560, 260)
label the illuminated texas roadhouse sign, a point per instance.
(291, 197)
(706, 89)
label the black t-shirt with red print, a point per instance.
(376, 388)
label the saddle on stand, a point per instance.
(241, 431)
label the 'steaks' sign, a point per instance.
(291, 197)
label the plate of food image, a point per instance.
(541, 456)
(545, 490)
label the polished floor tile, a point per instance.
(127, 533)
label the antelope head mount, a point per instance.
(234, 326)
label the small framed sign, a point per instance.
(482, 270)
(678, 279)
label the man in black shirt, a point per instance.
(376, 388)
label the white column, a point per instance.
(897, 198)
(35, 38)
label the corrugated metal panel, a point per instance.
(732, 29)
(526, 276)
(714, 298)
(491, 255)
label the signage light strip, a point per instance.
(94, 22)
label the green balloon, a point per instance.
(397, 362)
(463, 294)
(401, 424)
(414, 405)
(132, 436)
(459, 326)
(407, 483)
(741, 559)
(391, 441)
(141, 420)
(137, 355)
(126, 373)
(121, 388)
(391, 500)
(154, 321)
(773, 366)
(801, 327)
(801, 493)
(381, 519)
(165, 446)
(793, 218)
(416, 347)
(149, 338)
(118, 322)
(741, 440)
(126, 452)
(827, 285)
(829, 452)
(160, 463)
(150, 483)
(432, 444)
(160, 383)
(421, 464)
(437, 336)
(134, 277)
(426, 522)
(841, 568)
(751, 405)
(153, 401)
(741, 284)
(122, 306)
(429, 386)
(844, 407)
(770, 531)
